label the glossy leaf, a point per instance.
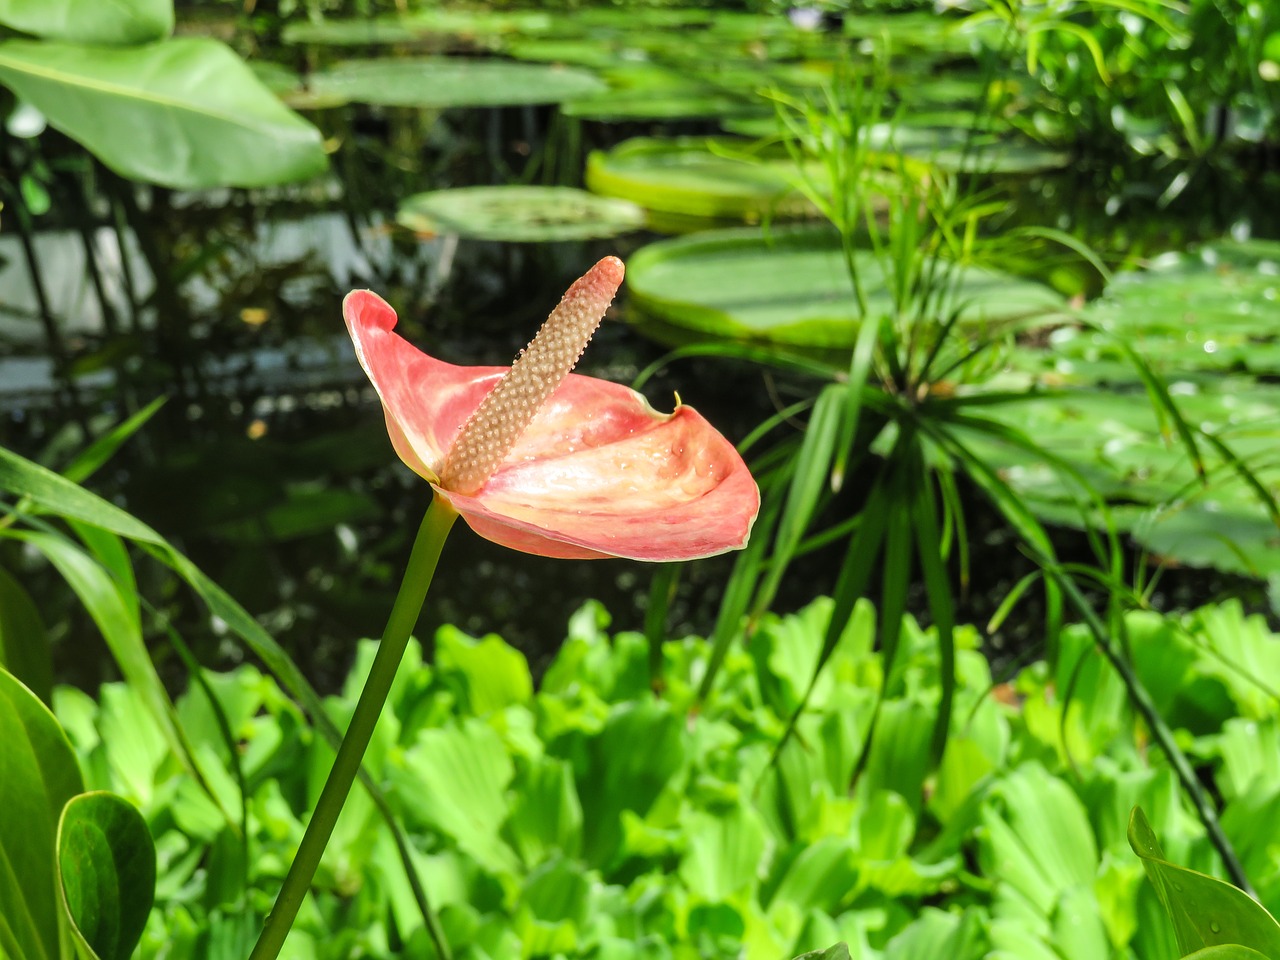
(185, 113)
(90, 21)
(38, 775)
(107, 862)
(1206, 912)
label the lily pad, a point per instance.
(519, 214)
(1113, 438)
(343, 33)
(1216, 308)
(458, 23)
(685, 176)
(649, 91)
(443, 82)
(790, 288)
(955, 149)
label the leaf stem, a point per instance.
(404, 616)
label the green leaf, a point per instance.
(810, 476)
(439, 22)
(455, 778)
(519, 214)
(90, 21)
(1227, 951)
(24, 643)
(628, 764)
(725, 853)
(1206, 912)
(38, 775)
(546, 816)
(186, 113)
(487, 674)
(107, 861)
(839, 952)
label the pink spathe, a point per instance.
(596, 473)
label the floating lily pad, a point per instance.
(519, 214)
(457, 23)
(1116, 442)
(686, 176)
(446, 82)
(791, 288)
(925, 30)
(578, 51)
(1214, 309)
(349, 33)
(647, 91)
(956, 148)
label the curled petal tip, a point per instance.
(366, 308)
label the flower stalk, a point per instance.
(395, 638)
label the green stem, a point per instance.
(404, 616)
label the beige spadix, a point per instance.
(506, 412)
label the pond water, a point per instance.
(269, 465)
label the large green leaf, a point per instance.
(24, 644)
(444, 82)
(519, 214)
(107, 862)
(184, 113)
(38, 775)
(1206, 912)
(791, 288)
(90, 21)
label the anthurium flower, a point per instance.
(550, 462)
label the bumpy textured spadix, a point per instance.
(592, 472)
(490, 433)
